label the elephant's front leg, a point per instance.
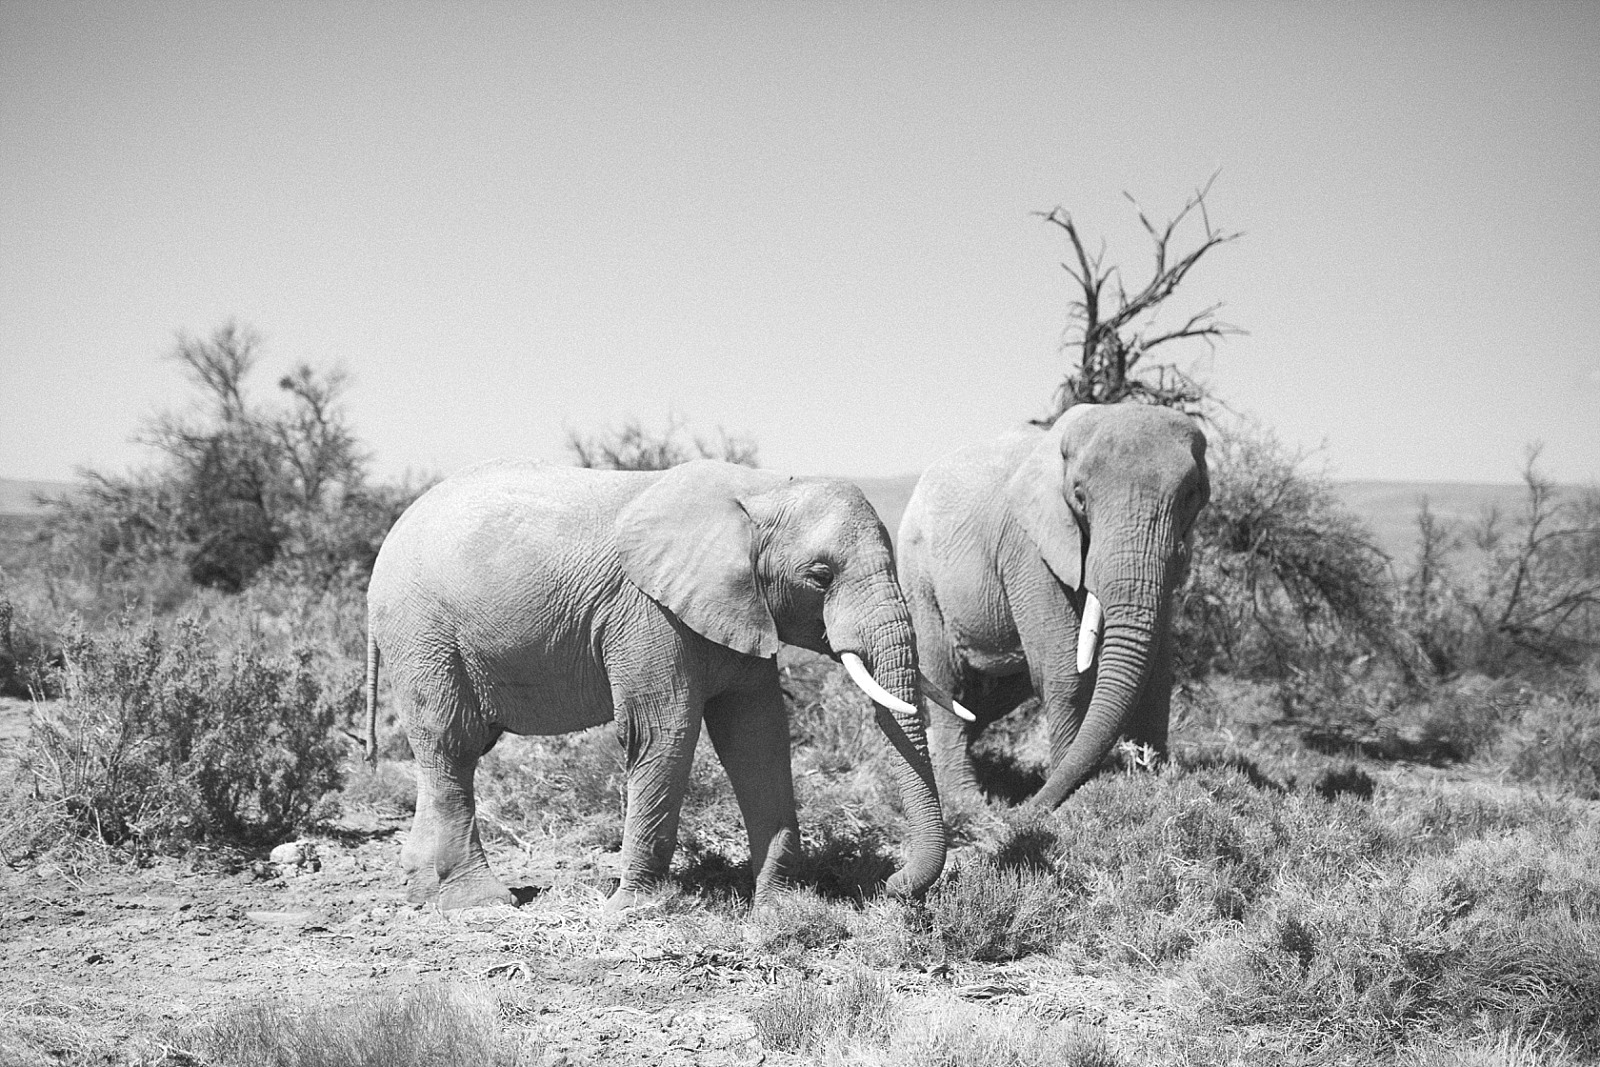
(658, 738)
(1050, 641)
(949, 738)
(750, 731)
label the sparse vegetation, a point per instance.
(801, 1017)
(431, 1026)
(1509, 592)
(636, 447)
(1299, 885)
(983, 911)
(162, 740)
(966, 1036)
(1284, 581)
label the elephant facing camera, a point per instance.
(1045, 564)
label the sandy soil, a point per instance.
(119, 958)
(106, 964)
(127, 956)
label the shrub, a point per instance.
(970, 1037)
(241, 489)
(1509, 594)
(802, 1016)
(1283, 578)
(797, 920)
(637, 448)
(1558, 742)
(163, 739)
(982, 911)
(1494, 931)
(431, 1026)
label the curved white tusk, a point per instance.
(869, 685)
(1094, 620)
(941, 696)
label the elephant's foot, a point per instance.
(642, 897)
(620, 902)
(422, 886)
(475, 891)
(771, 890)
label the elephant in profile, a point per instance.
(543, 599)
(1044, 563)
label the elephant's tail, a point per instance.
(372, 700)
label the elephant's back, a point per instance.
(508, 496)
(488, 539)
(965, 490)
(956, 529)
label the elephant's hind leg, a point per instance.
(444, 856)
(990, 699)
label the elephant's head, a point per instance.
(750, 559)
(1110, 496)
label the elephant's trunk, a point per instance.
(891, 660)
(1132, 618)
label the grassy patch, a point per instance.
(804, 1016)
(164, 739)
(1557, 742)
(1495, 930)
(431, 1026)
(795, 921)
(965, 1036)
(982, 911)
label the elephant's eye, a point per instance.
(820, 575)
(1080, 503)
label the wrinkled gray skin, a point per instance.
(998, 545)
(542, 599)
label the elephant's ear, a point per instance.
(687, 542)
(1036, 495)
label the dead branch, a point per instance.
(1112, 342)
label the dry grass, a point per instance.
(803, 1016)
(967, 1036)
(1255, 901)
(432, 1026)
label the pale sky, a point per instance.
(808, 222)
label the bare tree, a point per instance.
(1542, 579)
(314, 437)
(243, 484)
(219, 364)
(1113, 329)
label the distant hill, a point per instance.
(19, 496)
(1388, 508)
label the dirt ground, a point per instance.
(106, 965)
(123, 956)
